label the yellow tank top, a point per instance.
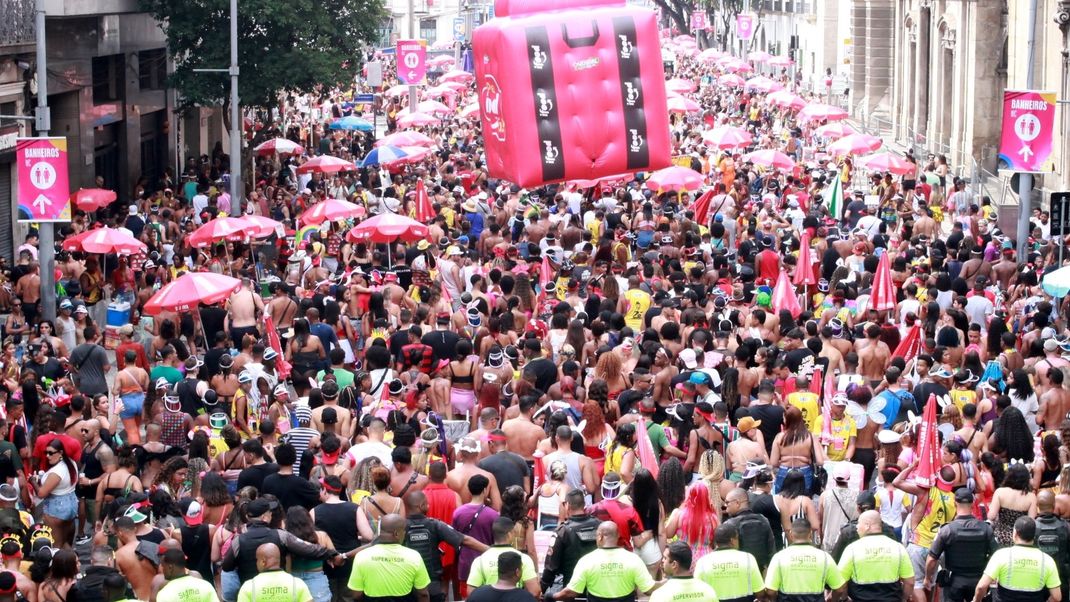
(939, 511)
(638, 303)
(961, 397)
(615, 458)
(807, 404)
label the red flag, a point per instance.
(425, 213)
(646, 450)
(701, 208)
(882, 297)
(281, 365)
(909, 347)
(784, 296)
(928, 447)
(804, 269)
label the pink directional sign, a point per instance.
(412, 61)
(1028, 122)
(744, 26)
(44, 190)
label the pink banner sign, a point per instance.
(44, 189)
(1028, 123)
(744, 26)
(412, 61)
(698, 21)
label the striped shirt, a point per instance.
(299, 438)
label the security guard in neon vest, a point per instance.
(966, 545)
(681, 585)
(801, 572)
(731, 572)
(1022, 573)
(876, 567)
(609, 573)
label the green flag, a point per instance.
(834, 198)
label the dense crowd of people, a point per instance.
(572, 391)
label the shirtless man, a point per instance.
(1045, 365)
(664, 371)
(830, 352)
(1005, 269)
(745, 449)
(873, 355)
(28, 289)
(468, 455)
(973, 267)
(344, 427)
(488, 421)
(281, 307)
(1054, 403)
(403, 478)
(138, 571)
(523, 433)
(924, 224)
(243, 308)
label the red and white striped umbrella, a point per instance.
(854, 144)
(331, 210)
(190, 290)
(821, 112)
(279, 146)
(682, 104)
(727, 136)
(417, 120)
(770, 158)
(407, 138)
(104, 240)
(223, 228)
(835, 130)
(886, 161)
(326, 164)
(763, 84)
(786, 99)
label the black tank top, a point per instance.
(339, 522)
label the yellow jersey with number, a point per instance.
(638, 303)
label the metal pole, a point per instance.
(1062, 233)
(1025, 180)
(235, 117)
(46, 232)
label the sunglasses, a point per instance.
(52, 452)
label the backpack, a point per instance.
(1051, 539)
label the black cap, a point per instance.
(259, 507)
(866, 500)
(963, 496)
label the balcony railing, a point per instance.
(16, 25)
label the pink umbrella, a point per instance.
(759, 56)
(710, 55)
(763, 84)
(91, 199)
(424, 211)
(682, 86)
(784, 296)
(731, 80)
(331, 210)
(224, 228)
(835, 130)
(727, 136)
(680, 104)
(886, 161)
(770, 158)
(398, 90)
(470, 112)
(439, 61)
(457, 75)
(388, 227)
(737, 66)
(785, 99)
(282, 367)
(190, 290)
(408, 138)
(804, 269)
(260, 226)
(440, 91)
(433, 107)
(928, 445)
(882, 296)
(444, 44)
(326, 164)
(413, 154)
(821, 112)
(854, 144)
(683, 38)
(781, 61)
(454, 85)
(417, 120)
(675, 179)
(279, 146)
(104, 240)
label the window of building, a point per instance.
(8, 108)
(107, 78)
(152, 69)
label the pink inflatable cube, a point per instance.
(576, 93)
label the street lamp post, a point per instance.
(235, 113)
(46, 231)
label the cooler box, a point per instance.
(118, 314)
(111, 335)
(571, 89)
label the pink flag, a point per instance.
(784, 296)
(804, 269)
(425, 213)
(282, 366)
(928, 447)
(909, 347)
(646, 450)
(882, 297)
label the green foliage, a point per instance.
(282, 45)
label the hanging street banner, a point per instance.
(1028, 122)
(44, 188)
(744, 26)
(412, 61)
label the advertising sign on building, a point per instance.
(44, 189)
(1028, 121)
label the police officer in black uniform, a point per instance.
(423, 534)
(573, 539)
(1053, 538)
(966, 545)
